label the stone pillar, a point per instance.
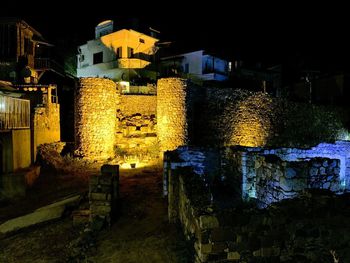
(172, 127)
(95, 118)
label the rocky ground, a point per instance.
(141, 232)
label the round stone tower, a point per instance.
(95, 118)
(171, 113)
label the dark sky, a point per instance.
(268, 32)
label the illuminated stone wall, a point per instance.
(172, 126)
(277, 180)
(95, 118)
(247, 234)
(136, 128)
(134, 104)
(251, 121)
(46, 124)
(268, 175)
(237, 117)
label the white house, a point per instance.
(116, 55)
(196, 65)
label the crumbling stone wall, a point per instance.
(95, 118)
(136, 127)
(265, 175)
(46, 123)
(172, 125)
(296, 230)
(239, 117)
(104, 194)
(277, 180)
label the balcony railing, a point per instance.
(214, 70)
(47, 63)
(14, 113)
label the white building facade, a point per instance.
(197, 65)
(116, 55)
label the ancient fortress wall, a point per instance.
(138, 104)
(172, 113)
(108, 122)
(95, 118)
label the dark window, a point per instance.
(98, 58)
(138, 128)
(118, 52)
(142, 40)
(130, 52)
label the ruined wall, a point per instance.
(172, 126)
(265, 175)
(277, 180)
(142, 104)
(136, 128)
(95, 118)
(298, 230)
(239, 117)
(46, 125)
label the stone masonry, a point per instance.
(95, 118)
(172, 113)
(104, 193)
(312, 228)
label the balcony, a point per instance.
(44, 64)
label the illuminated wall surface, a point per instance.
(325, 166)
(249, 126)
(172, 113)
(95, 118)
(46, 125)
(123, 49)
(267, 175)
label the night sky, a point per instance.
(272, 33)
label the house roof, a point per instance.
(7, 89)
(37, 35)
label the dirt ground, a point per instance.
(141, 233)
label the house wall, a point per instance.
(7, 152)
(95, 118)
(214, 64)
(109, 44)
(194, 59)
(21, 149)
